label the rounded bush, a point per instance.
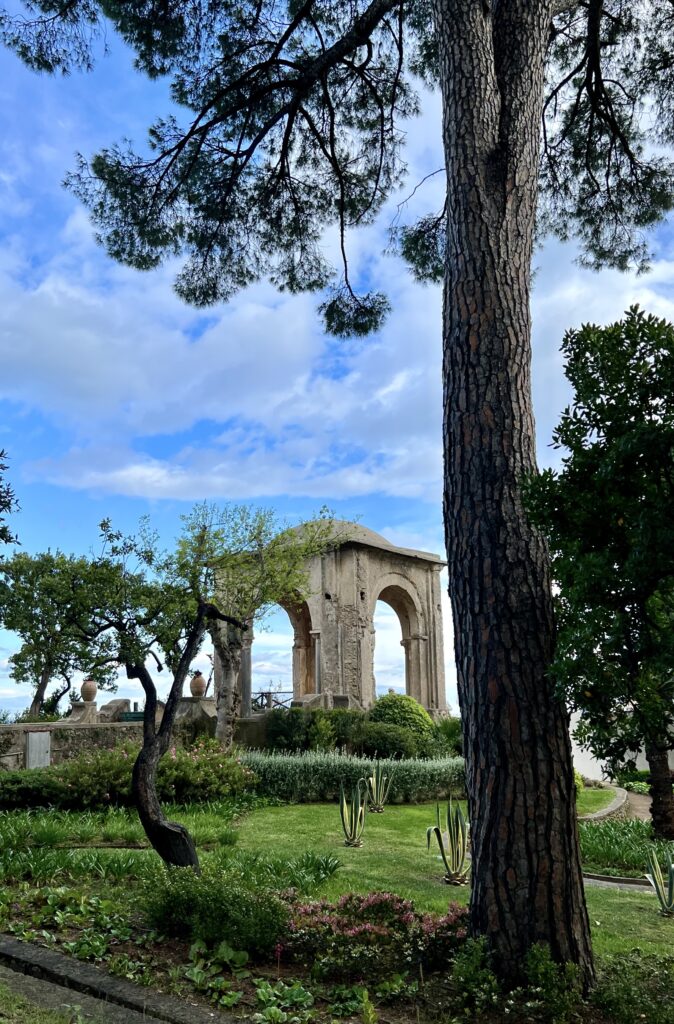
(379, 739)
(406, 712)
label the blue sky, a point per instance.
(118, 400)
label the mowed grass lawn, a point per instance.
(394, 858)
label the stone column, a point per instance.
(316, 642)
(416, 675)
(299, 670)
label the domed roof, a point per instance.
(346, 532)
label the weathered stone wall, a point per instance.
(67, 741)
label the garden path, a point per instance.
(639, 806)
(49, 996)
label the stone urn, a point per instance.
(89, 690)
(198, 685)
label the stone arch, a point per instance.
(401, 595)
(305, 678)
(304, 663)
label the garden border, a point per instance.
(40, 962)
(616, 809)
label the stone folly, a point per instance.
(334, 635)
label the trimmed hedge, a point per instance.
(316, 775)
(102, 778)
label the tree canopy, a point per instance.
(607, 514)
(36, 594)
(8, 502)
(291, 116)
(244, 561)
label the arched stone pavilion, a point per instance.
(334, 635)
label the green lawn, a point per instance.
(393, 857)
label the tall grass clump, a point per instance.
(318, 775)
(620, 847)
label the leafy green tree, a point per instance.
(137, 606)
(246, 563)
(291, 117)
(608, 516)
(34, 595)
(8, 503)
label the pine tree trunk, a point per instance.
(527, 882)
(662, 791)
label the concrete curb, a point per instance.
(616, 809)
(638, 883)
(72, 974)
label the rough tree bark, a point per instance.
(38, 697)
(662, 792)
(527, 882)
(170, 839)
(228, 647)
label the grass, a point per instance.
(17, 1010)
(621, 847)
(591, 800)
(394, 858)
(209, 825)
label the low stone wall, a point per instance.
(66, 741)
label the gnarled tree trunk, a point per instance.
(527, 882)
(662, 792)
(171, 840)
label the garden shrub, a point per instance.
(288, 729)
(379, 739)
(347, 724)
(578, 782)
(314, 775)
(449, 731)
(365, 937)
(402, 710)
(214, 908)
(102, 778)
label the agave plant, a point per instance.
(455, 852)
(665, 893)
(353, 813)
(378, 786)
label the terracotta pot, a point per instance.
(198, 685)
(89, 690)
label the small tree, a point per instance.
(136, 605)
(35, 592)
(8, 502)
(608, 516)
(247, 563)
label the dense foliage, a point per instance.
(315, 776)
(102, 778)
(373, 936)
(607, 514)
(362, 732)
(36, 602)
